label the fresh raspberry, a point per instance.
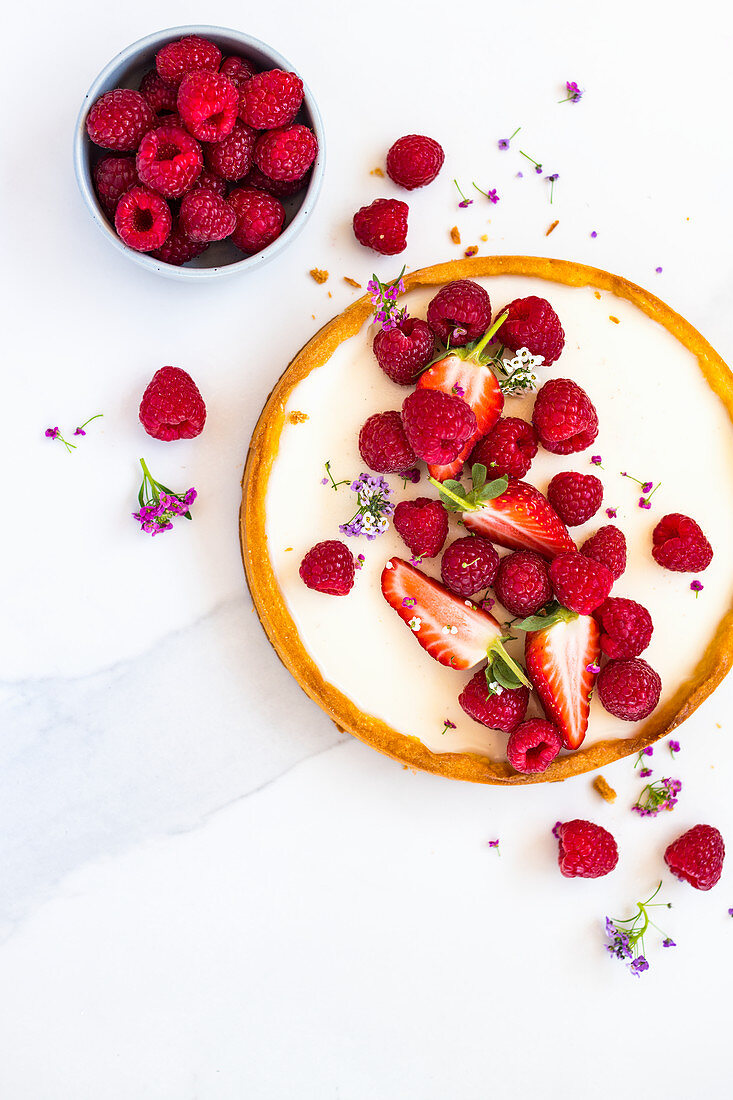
(286, 154)
(579, 583)
(533, 745)
(629, 689)
(172, 407)
(499, 712)
(188, 54)
(119, 119)
(112, 177)
(160, 95)
(508, 449)
(231, 158)
(403, 351)
(679, 544)
(270, 99)
(384, 446)
(205, 216)
(169, 120)
(178, 248)
(422, 524)
(208, 104)
(260, 219)
(533, 324)
(522, 585)
(437, 424)
(142, 219)
(575, 497)
(469, 565)
(281, 189)
(169, 160)
(414, 160)
(586, 850)
(697, 856)
(329, 567)
(626, 627)
(382, 226)
(460, 312)
(238, 70)
(608, 546)
(210, 181)
(564, 416)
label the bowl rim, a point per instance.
(83, 171)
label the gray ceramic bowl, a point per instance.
(126, 71)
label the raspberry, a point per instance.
(403, 351)
(437, 424)
(608, 546)
(499, 712)
(142, 219)
(188, 54)
(329, 567)
(231, 157)
(210, 181)
(286, 154)
(522, 585)
(460, 312)
(533, 324)
(112, 177)
(384, 446)
(119, 119)
(270, 99)
(533, 745)
(414, 161)
(205, 216)
(579, 583)
(208, 104)
(575, 497)
(282, 189)
(626, 627)
(564, 416)
(172, 407)
(586, 850)
(160, 95)
(508, 449)
(629, 689)
(382, 226)
(178, 248)
(238, 70)
(469, 565)
(169, 120)
(260, 219)
(169, 160)
(679, 544)
(697, 856)
(422, 524)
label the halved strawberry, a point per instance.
(560, 660)
(475, 384)
(521, 518)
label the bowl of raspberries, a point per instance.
(199, 152)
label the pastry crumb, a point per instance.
(287, 548)
(330, 294)
(352, 282)
(297, 417)
(484, 237)
(718, 726)
(604, 789)
(377, 172)
(455, 236)
(597, 294)
(317, 274)
(614, 319)
(552, 227)
(471, 250)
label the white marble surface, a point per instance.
(206, 891)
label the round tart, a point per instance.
(665, 403)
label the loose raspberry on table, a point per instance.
(629, 689)
(208, 104)
(575, 497)
(508, 449)
(286, 154)
(607, 546)
(329, 567)
(565, 417)
(143, 219)
(414, 161)
(210, 181)
(178, 248)
(238, 70)
(533, 745)
(499, 712)
(532, 323)
(186, 55)
(172, 406)
(112, 177)
(422, 524)
(697, 856)
(437, 424)
(626, 627)
(460, 312)
(282, 189)
(382, 226)
(119, 119)
(405, 350)
(579, 583)
(270, 99)
(522, 584)
(384, 446)
(205, 216)
(169, 160)
(586, 850)
(260, 219)
(469, 565)
(160, 95)
(231, 158)
(679, 544)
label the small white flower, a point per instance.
(415, 623)
(495, 687)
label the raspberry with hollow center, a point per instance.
(169, 160)
(522, 585)
(382, 226)
(403, 351)
(564, 417)
(697, 856)
(160, 95)
(270, 99)
(286, 153)
(503, 711)
(205, 216)
(329, 567)
(608, 546)
(575, 497)
(172, 406)
(231, 158)
(508, 449)
(437, 424)
(384, 446)
(629, 689)
(112, 177)
(119, 119)
(626, 627)
(143, 219)
(414, 161)
(469, 564)
(533, 745)
(422, 524)
(579, 583)
(533, 324)
(679, 544)
(460, 312)
(281, 189)
(208, 104)
(186, 55)
(238, 70)
(178, 248)
(260, 219)
(586, 850)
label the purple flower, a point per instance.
(503, 143)
(52, 433)
(370, 518)
(611, 513)
(647, 487)
(696, 587)
(384, 297)
(493, 844)
(538, 169)
(359, 563)
(730, 912)
(594, 234)
(458, 390)
(449, 725)
(674, 746)
(644, 503)
(639, 965)
(574, 95)
(658, 270)
(409, 601)
(159, 506)
(412, 475)
(658, 796)
(668, 942)
(592, 668)
(648, 751)
(596, 460)
(556, 829)
(645, 772)
(492, 196)
(520, 175)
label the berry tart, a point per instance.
(506, 552)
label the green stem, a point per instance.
(462, 503)
(486, 338)
(498, 647)
(96, 417)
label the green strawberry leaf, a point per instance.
(478, 475)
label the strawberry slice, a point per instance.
(475, 384)
(559, 659)
(521, 518)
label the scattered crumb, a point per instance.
(614, 319)
(603, 788)
(718, 726)
(352, 282)
(318, 275)
(313, 316)
(297, 417)
(471, 250)
(597, 294)
(330, 294)
(377, 172)
(484, 237)
(455, 236)
(288, 548)
(552, 227)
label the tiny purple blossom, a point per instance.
(668, 942)
(696, 587)
(648, 751)
(493, 844)
(596, 460)
(503, 143)
(594, 234)
(492, 196)
(639, 965)
(647, 487)
(658, 270)
(611, 513)
(575, 94)
(52, 433)
(556, 829)
(730, 912)
(593, 668)
(673, 746)
(645, 772)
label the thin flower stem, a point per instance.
(529, 158)
(96, 417)
(460, 501)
